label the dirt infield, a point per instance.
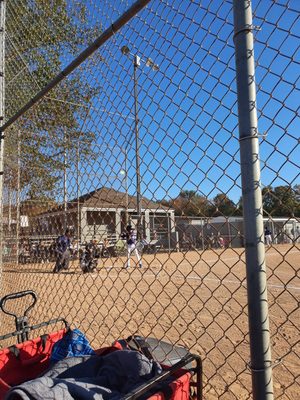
(195, 299)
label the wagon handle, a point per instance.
(17, 295)
(22, 321)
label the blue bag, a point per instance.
(73, 344)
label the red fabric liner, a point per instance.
(33, 361)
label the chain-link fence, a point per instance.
(141, 129)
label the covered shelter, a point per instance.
(103, 213)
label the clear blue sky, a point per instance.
(187, 110)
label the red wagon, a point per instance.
(180, 379)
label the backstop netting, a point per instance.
(141, 129)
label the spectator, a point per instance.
(298, 234)
(293, 234)
(105, 248)
(210, 241)
(131, 239)
(200, 241)
(63, 244)
(286, 237)
(22, 253)
(268, 236)
(220, 241)
(52, 250)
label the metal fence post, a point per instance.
(18, 198)
(2, 116)
(137, 150)
(261, 366)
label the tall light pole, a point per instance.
(2, 119)
(124, 173)
(18, 196)
(78, 201)
(136, 63)
(65, 184)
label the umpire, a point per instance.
(63, 251)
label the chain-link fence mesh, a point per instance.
(144, 132)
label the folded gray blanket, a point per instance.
(89, 377)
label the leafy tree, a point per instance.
(222, 205)
(286, 203)
(188, 194)
(189, 203)
(297, 192)
(281, 201)
(269, 200)
(239, 210)
(42, 37)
